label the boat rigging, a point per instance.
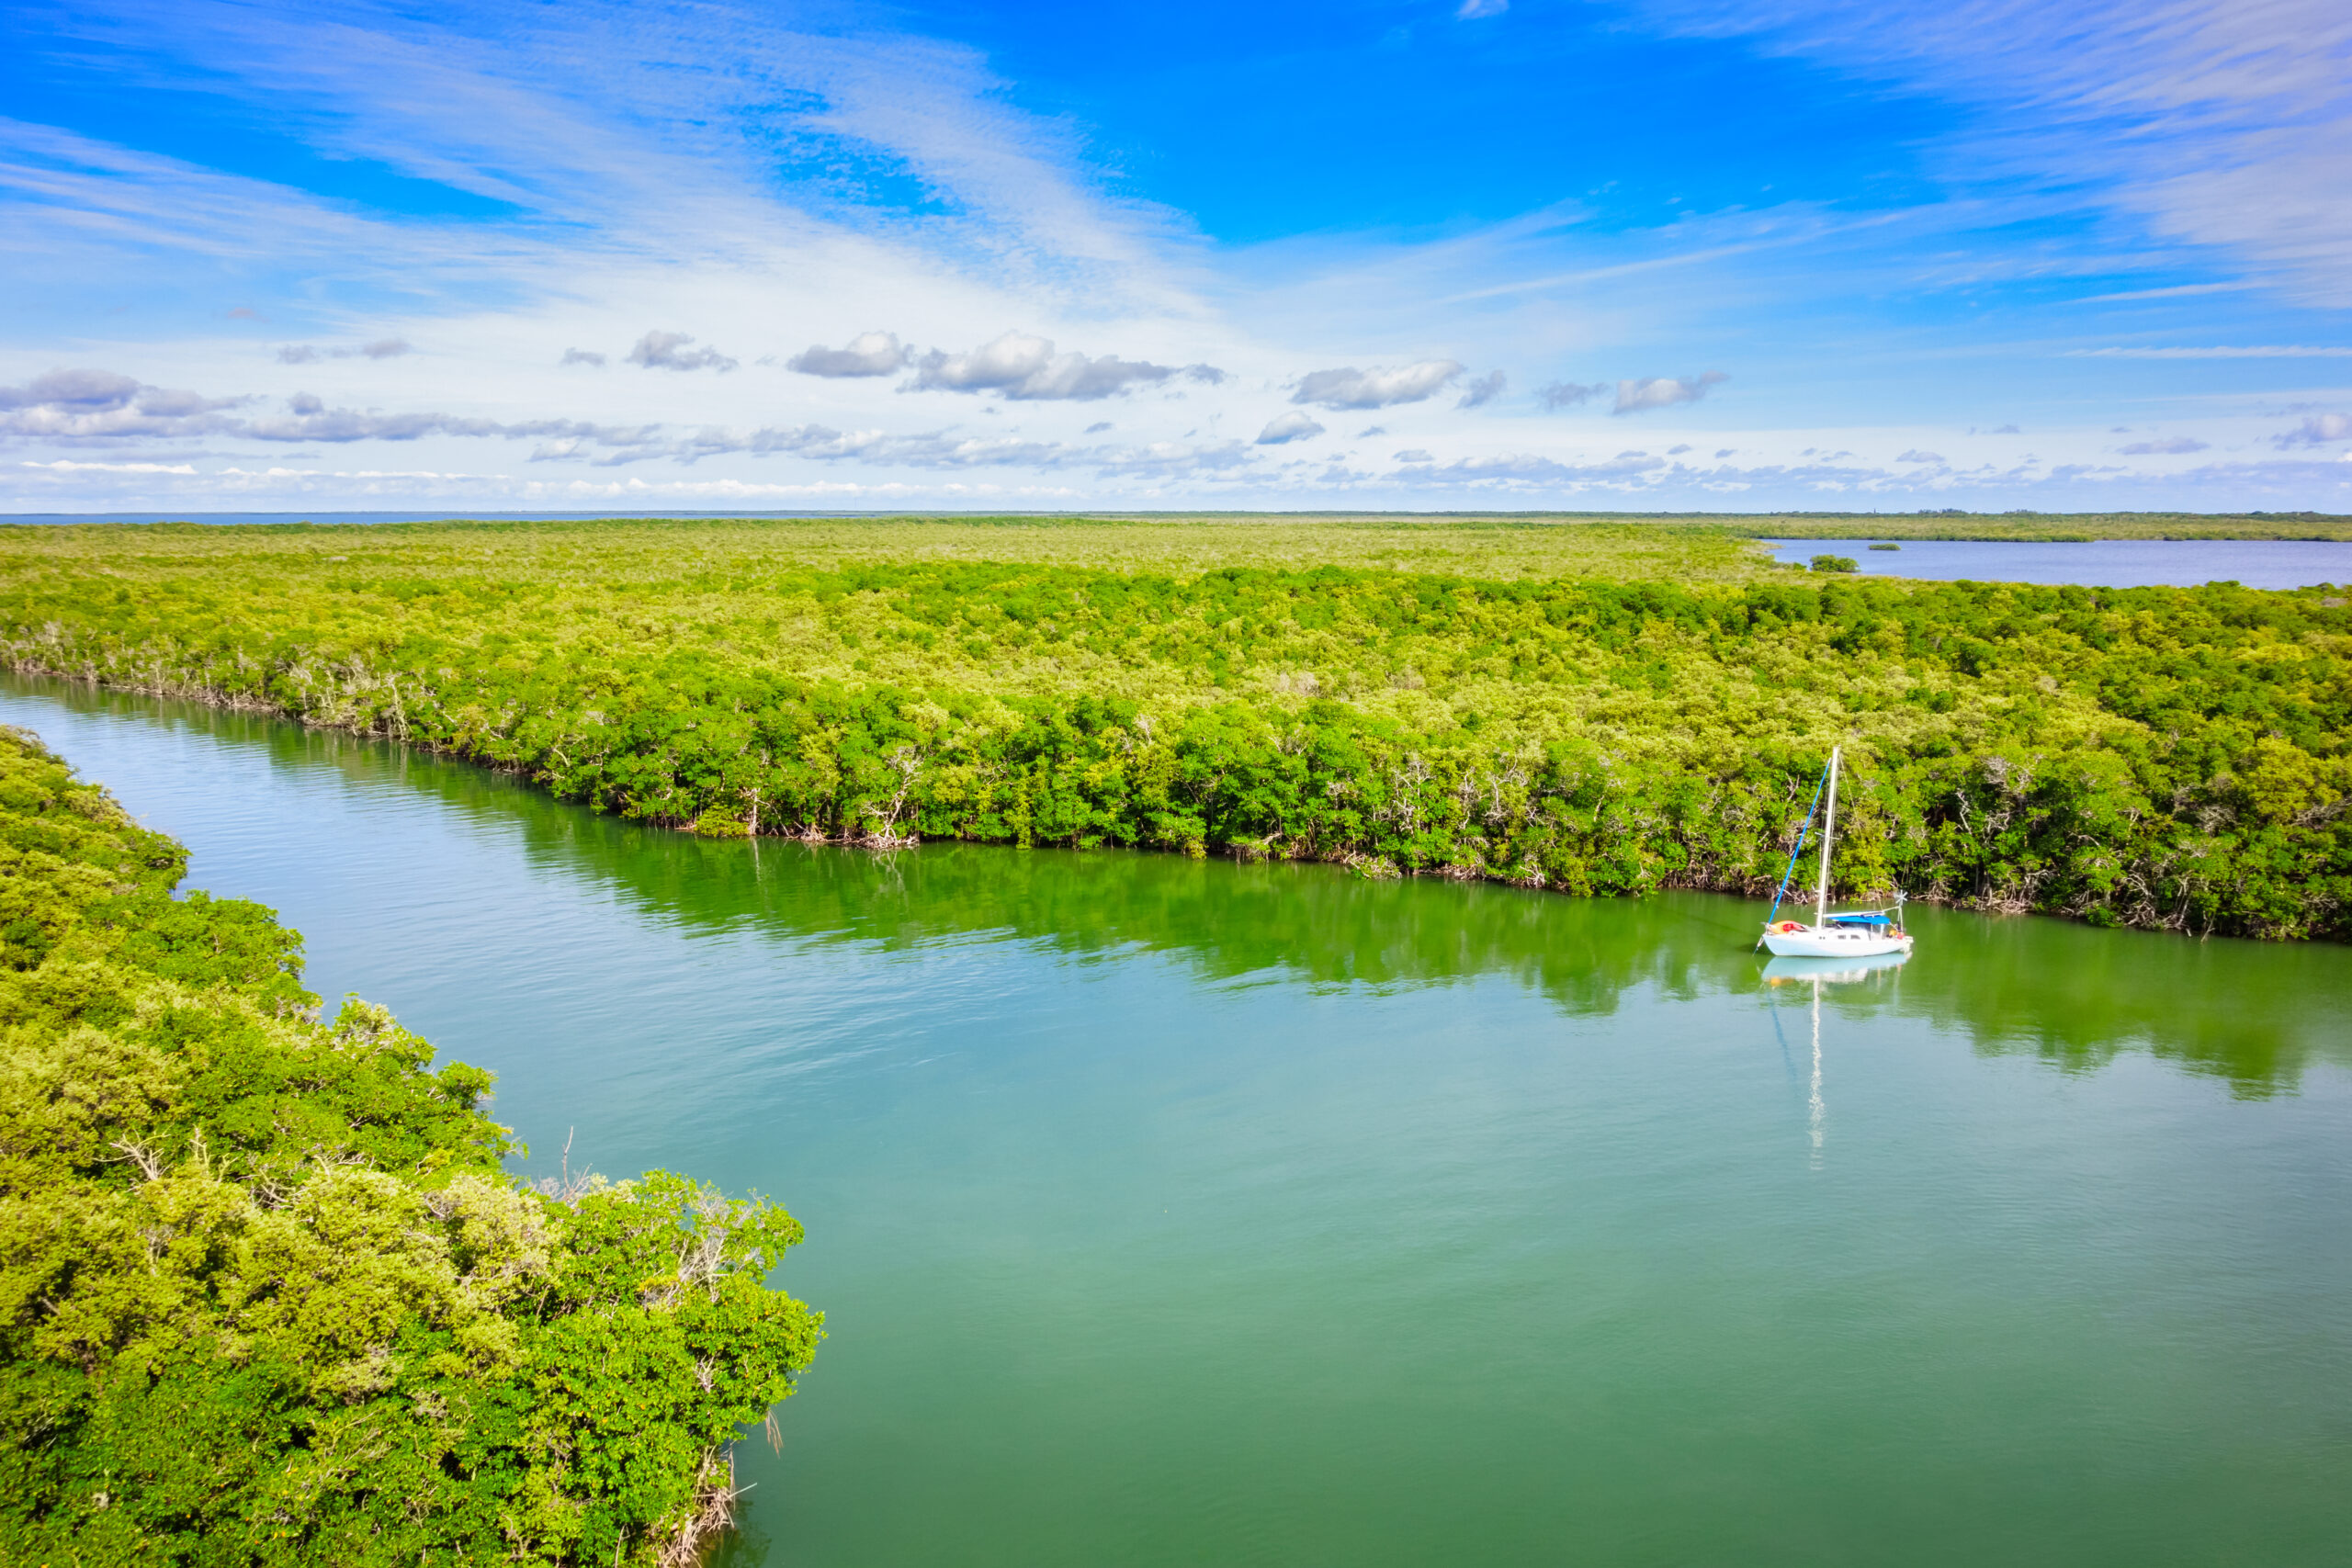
(1849, 933)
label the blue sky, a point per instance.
(1519, 254)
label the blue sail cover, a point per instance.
(1872, 918)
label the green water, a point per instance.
(1176, 1213)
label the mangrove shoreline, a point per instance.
(2164, 757)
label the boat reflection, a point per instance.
(1818, 973)
(1832, 971)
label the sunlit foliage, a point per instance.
(1650, 715)
(266, 1294)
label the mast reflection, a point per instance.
(1818, 973)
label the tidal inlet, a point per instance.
(976, 786)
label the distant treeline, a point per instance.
(2153, 756)
(266, 1294)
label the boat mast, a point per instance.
(1829, 831)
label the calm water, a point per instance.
(2101, 563)
(1178, 1213)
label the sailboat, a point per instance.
(1849, 933)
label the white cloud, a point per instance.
(1288, 427)
(2170, 446)
(1473, 10)
(2217, 125)
(2177, 291)
(2248, 351)
(382, 348)
(1024, 366)
(668, 350)
(1413, 454)
(1483, 390)
(582, 356)
(1663, 391)
(1568, 394)
(67, 466)
(2318, 430)
(1377, 389)
(594, 117)
(1169, 460)
(77, 408)
(867, 354)
(1913, 456)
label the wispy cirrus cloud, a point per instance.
(740, 176)
(2215, 125)
(2244, 350)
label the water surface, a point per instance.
(1177, 1212)
(2096, 563)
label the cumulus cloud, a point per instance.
(1913, 456)
(1208, 375)
(1520, 467)
(1024, 366)
(382, 348)
(1484, 389)
(1412, 455)
(582, 356)
(1663, 391)
(932, 450)
(668, 350)
(77, 407)
(87, 407)
(1369, 431)
(1349, 388)
(1677, 451)
(2318, 430)
(867, 354)
(1285, 427)
(1472, 10)
(1568, 394)
(2170, 446)
(308, 418)
(1098, 427)
(1169, 459)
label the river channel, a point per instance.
(1182, 1212)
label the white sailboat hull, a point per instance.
(1835, 942)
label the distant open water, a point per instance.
(2101, 563)
(2105, 563)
